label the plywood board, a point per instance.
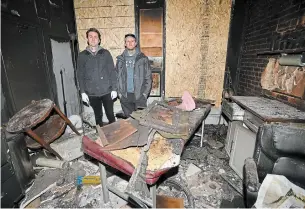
(151, 32)
(152, 51)
(117, 22)
(115, 53)
(219, 20)
(110, 37)
(96, 12)
(101, 3)
(196, 44)
(183, 50)
(151, 20)
(113, 19)
(151, 40)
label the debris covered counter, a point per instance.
(169, 128)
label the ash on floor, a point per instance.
(206, 170)
(204, 173)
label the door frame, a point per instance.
(140, 4)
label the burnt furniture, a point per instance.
(280, 149)
(159, 117)
(17, 171)
(38, 122)
(258, 111)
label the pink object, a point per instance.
(188, 102)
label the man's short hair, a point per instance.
(130, 35)
(96, 31)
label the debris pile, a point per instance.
(204, 174)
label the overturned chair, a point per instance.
(43, 122)
(280, 149)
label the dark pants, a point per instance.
(97, 103)
(130, 104)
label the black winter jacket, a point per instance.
(96, 73)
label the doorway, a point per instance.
(150, 30)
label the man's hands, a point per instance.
(114, 94)
(85, 98)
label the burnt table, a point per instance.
(269, 110)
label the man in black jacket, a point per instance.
(97, 77)
(134, 77)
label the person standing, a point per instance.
(97, 77)
(134, 77)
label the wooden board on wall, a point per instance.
(219, 20)
(183, 47)
(152, 51)
(151, 20)
(151, 34)
(151, 40)
(113, 19)
(196, 44)
(100, 3)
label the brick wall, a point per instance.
(269, 25)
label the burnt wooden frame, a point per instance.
(141, 4)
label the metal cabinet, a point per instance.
(235, 115)
(243, 145)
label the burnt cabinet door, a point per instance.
(24, 67)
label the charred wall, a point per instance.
(270, 26)
(26, 60)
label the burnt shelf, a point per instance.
(287, 51)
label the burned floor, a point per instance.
(203, 179)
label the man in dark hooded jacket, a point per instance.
(97, 77)
(134, 77)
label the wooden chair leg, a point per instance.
(42, 142)
(66, 119)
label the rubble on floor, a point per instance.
(208, 187)
(68, 147)
(204, 176)
(206, 171)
